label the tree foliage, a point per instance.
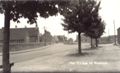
(81, 17)
(46, 37)
(97, 25)
(31, 9)
(96, 30)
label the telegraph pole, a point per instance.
(38, 35)
(108, 36)
(45, 35)
(114, 33)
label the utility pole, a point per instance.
(108, 36)
(38, 34)
(45, 35)
(114, 33)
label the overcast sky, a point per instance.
(110, 11)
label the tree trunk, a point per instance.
(96, 42)
(91, 42)
(79, 43)
(6, 37)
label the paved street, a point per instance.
(61, 57)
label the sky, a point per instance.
(109, 12)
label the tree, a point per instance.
(70, 41)
(97, 26)
(15, 9)
(46, 37)
(78, 18)
(100, 32)
(95, 32)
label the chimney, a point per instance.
(15, 26)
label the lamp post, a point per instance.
(108, 36)
(114, 34)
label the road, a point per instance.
(41, 52)
(62, 57)
(52, 54)
(25, 55)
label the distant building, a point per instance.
(118, 35)
(22, 35)
(107, 39)
(102, 40)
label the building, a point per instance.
(102, 40)
(118, 35)
(22, 35)
(107, 39)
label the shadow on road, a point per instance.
(80, 55)
(94, 48)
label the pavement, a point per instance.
(21, 52)
(64, 58)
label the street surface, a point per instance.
(63, 57)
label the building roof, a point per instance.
(118, 28)
(20, 33)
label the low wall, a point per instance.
(24, 46)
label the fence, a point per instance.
(24, 46)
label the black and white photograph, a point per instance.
(59, 36)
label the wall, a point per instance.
(25, 46)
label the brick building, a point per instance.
(22, 35)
